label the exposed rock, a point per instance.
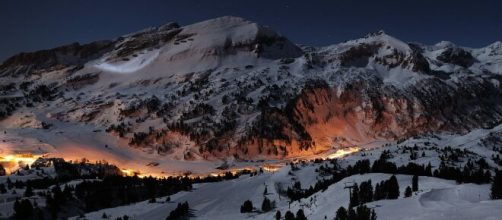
(457, 56)
(59, 57)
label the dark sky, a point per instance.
(28, 25)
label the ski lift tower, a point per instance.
(350, 186)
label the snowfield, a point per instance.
(437, 199)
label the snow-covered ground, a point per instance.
(436, 199)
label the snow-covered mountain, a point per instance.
(228, 94)
(229, 88)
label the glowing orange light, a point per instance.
(343, 152)
(12, 162)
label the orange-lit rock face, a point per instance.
(332, 117)
(363, 112)
(338, 118)
(326, 116)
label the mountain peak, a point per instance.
(377, 33)
(445, 44)
(208, 43)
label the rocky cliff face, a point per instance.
(369, 111)
(57, 58)
(229, 87)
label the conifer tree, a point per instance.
(365, 192)
(247, 207)
(408, 192)
(414, 183)
(289, 216)
(2, 189)
(393, 187)
(354, 196)
(278, 215)
(23, 209)
(341, 214)
(428, 170)
(28, 192)
(266, 205)
(300, 215)
(497, 186)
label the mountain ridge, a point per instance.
(230, 88)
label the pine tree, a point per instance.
(379, 193)
(181, 210)
(28, 192)
(17, 208)
(278, 215)
(414, 183)
(363, 212)
(300, 215)
(39, 213)
(365, 192)
(2, 189)
(247, 207)
(393, 187)
(289, 216)
(23, 209)
(354, 196)
(497, 186)
(266, 205)
(341, 214)
(408, 192)
(27, 208)
(9, 183)
(352, 214)
(373, 215)
(428, 170)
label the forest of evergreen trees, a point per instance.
(473, 172)
(104, 188)
(180, 212)
(496, 189)
(364, 193)
(360, 212)
(115, 190)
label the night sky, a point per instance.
(36, 24)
